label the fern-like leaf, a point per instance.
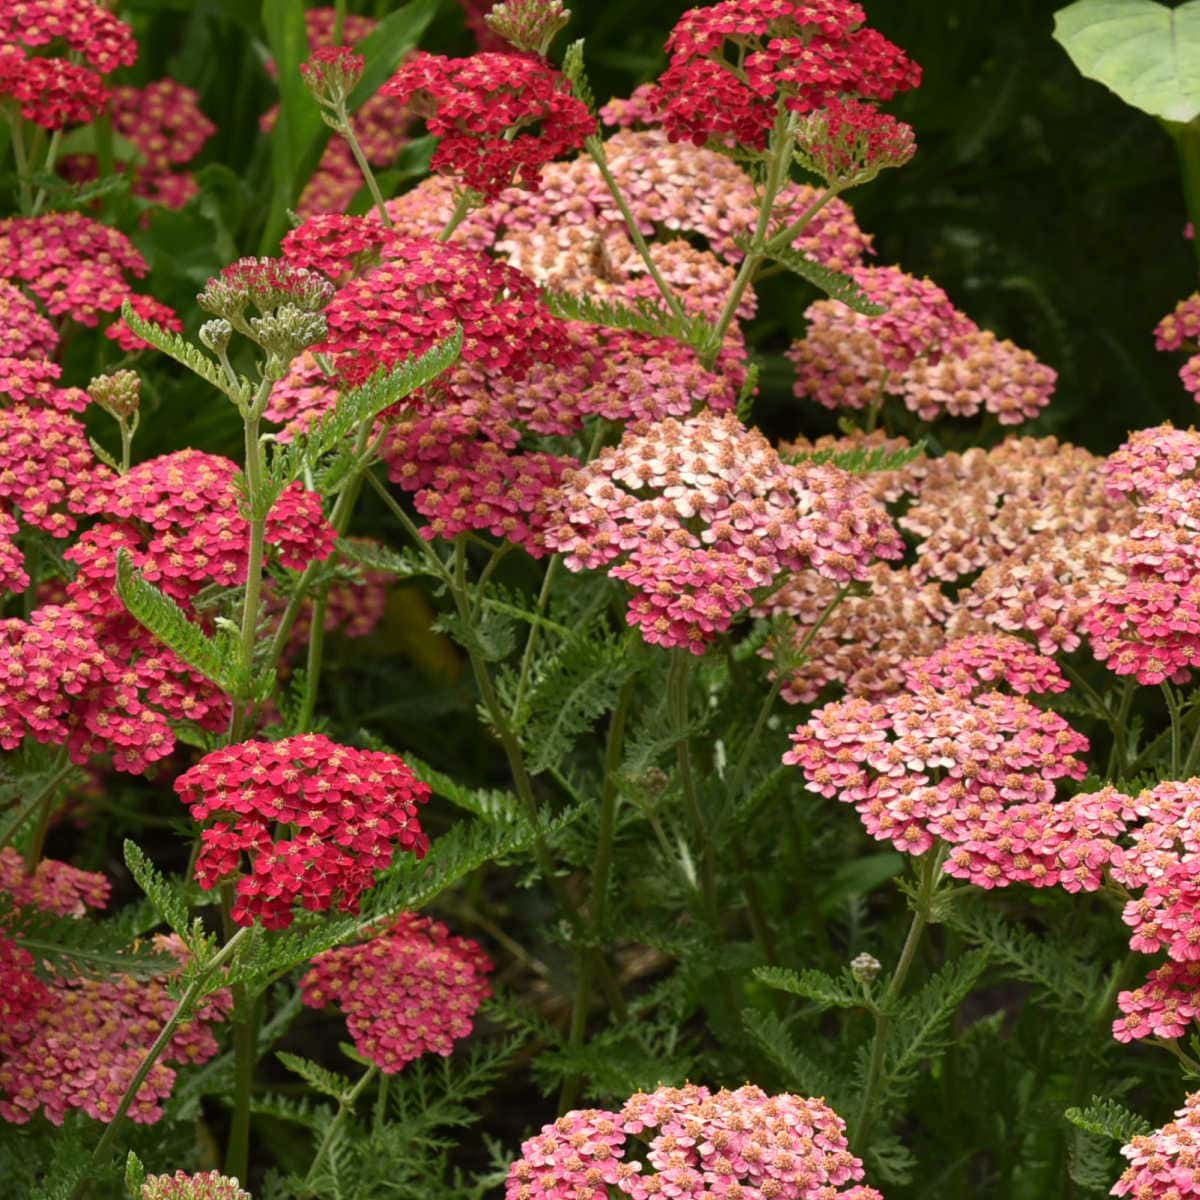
(643, 316)
(1107, 1118)
(182, 351)
(801, 1073)
(490, 804)
(320, 1079)
(826, 991)
(833, 283)
(166, 897)
(863, 460)
(167, 621)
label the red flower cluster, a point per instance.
(971, 767)
(701, 514)
(408, 991)
(421, 293)
(802, 53)
(81, 1049)
(699, 1144)
(501, 117)
(57, 91)
(349, 811)
(22, 993)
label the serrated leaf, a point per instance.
(576, 73)
(833, 283)
(802, 1073)
(163, 895)
(1147, 53)
(320, 1079)
(1107, 1118)
(135, 1176)
(375, 556)
(642, 316)
(167, 621)
(824, 990)
(183, 352)
(861, 460)
(491, 804)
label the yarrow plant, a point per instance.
(456, 545)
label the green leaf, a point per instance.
(490, 804)
(166, 897)
(800, 1072)
(642, 316)
(575, 71)
(1107, 1118)
(182, 351)
(93, 949)
(168, 622)
(823, 990)
(1146, 53)
(135, 1176)
(833, 283)
(388, 386)
(860, 876)
(300, 135)
(862, 460)
(319, 1078)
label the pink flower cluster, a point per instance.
(921, 350)
(409, 990)
(698, 1144)
(500, 116)
(88, 1038)
(1163, 1165)
(1150, 626)
(59, 90)
(1180, 330)
(804, 54)
(210, 1185)
(348, 811)
(699, 514)
(52, 886)
(951, 759)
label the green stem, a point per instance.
(381, 1103)
(462, 206)
(783, 135)
(1173, 1048)
(595, 147)
(679, 713)
(20, 160)
(48, 167)
(1173, 707)
(601, 869)
(245, 1059)
(345, 1106)
(346, 129)
(1117, 755)
(182, 1010)
(531, 641)
(931, 864)
(789, 233)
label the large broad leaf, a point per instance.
(1145, 52)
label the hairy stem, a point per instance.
(783, 135)
(595, 147)
(48, 168)
(21, 161)
(677, 706)
(346, 1105)
(346, 129)
(182, 1010)
(601, 869)
(931, 865)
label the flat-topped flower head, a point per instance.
(53, 886)
(692, 1143)
(1163, 1164)
(208, 1185)
(500, 117)
(805, 54)
(412, 989)
(1150, 460)
(699, 514)
(976, 771)
(346, 812)
(81, 1050)
(983, 662)
(421, 294)
(87, 29)
(74, 265)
